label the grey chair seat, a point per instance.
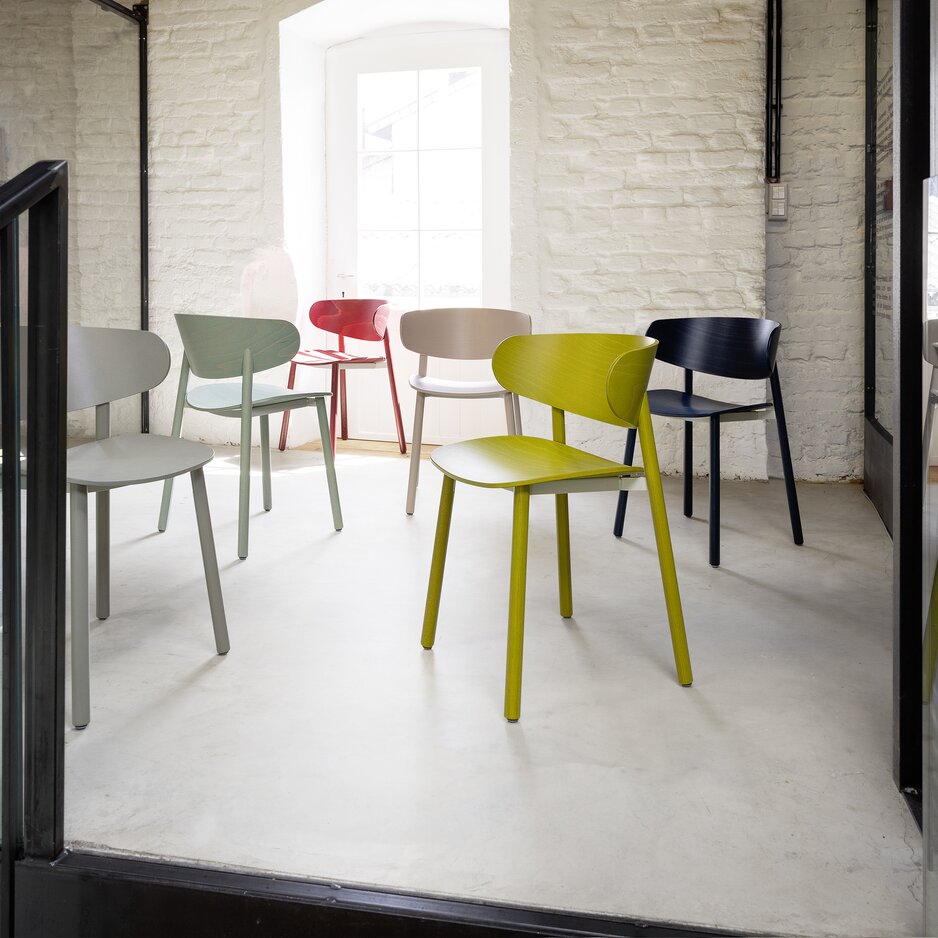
(226, 398)
(133, 460)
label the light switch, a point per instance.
(776, 200)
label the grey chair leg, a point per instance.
(516, 400)
(265, 461)
(328, 458)
(415, 442)
(176, 431)
(244, 490)
(210, 561)
(102, 557)
(81, 695)
(715, 490)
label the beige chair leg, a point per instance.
(415, 454)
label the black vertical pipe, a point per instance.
(12, 585)
(142, 15)
(769, 71)
(870, 211)
(778, 90)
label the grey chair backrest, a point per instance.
(461, 333)
(106, 365)
(215, 345)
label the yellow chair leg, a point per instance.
(435, 587)
(519, 564)
(564, 575)
(672, 596)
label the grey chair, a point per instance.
(106, 365)
(230, 347)
(463, 334)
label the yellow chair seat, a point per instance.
(509, 461)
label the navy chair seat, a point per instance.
(667, 403)
(738, 347)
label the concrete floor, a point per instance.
(327, 744)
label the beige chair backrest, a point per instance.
(106, 365)
(461, 333)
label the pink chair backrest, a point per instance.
(352, 319)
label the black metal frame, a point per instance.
(33, 748)
(911, 168)
(140, 15)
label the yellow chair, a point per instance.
(602, 377)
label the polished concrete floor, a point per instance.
(327, 744)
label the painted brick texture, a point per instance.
(637, 177)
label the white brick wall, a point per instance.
(814, 261)
(637, 175)
(637, 163)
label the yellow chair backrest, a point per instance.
(602, 376)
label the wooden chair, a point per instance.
(106, 365)
(602, 377)
(219, 347)
(463, 334)
(730, 347)
(364, 320)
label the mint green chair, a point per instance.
(602, 377)
(231, 347)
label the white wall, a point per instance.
(814, 261)
(637, 176)
(637, 163)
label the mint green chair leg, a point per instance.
(81, 695)
(265, 461)
(516, 595)
(244, 492)
(564, 576)
(177, 431)
(672, 596)
(328, 459)
(434, 588)
(210, 562)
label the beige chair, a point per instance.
(106, 365)
(463, 334)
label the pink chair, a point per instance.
(365, 320)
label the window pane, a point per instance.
(387, 191)
(387, 111)
(451, 268)
(450, 107)
(387, 265)
(451, 189)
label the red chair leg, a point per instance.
(394, 401)
(285, 423)
(334, 403)
(344, 396)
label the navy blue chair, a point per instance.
(730, 347)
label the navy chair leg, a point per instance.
(688, 469)
(787, 469)
(623, 502)
(715, 490)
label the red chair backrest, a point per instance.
(352, 319)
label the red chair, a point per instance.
(365, 320)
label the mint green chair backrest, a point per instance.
(602, 376)
(215, 345)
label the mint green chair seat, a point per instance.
(602, 377)
(218, 347)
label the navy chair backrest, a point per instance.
(728, 346)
